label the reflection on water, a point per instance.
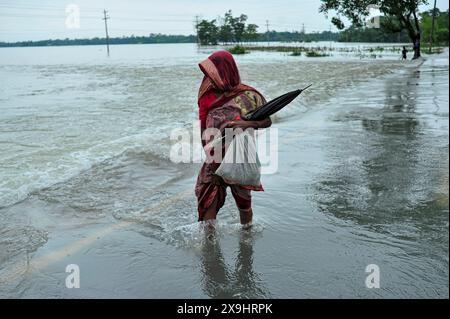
(222, 281)
(363, 178)
(391, 181)
(394, 167)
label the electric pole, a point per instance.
(331, 37)
(302, 34)
(196, 28)
(432, 26)
(268, 35)
(105, 17)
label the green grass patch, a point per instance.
(315, 54)
(238, 49)
(296, 52)
(434, 50)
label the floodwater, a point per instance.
(86, 178)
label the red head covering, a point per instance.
(220, 84)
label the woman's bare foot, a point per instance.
(246, 216)
(247, 226)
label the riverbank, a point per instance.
(362, 179)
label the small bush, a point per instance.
(238, 49)
(296, 52)
(315, 54)
(434, 50)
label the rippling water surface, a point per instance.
(85, 177)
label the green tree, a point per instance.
(226, 29)
(207, 32)
(251, 32)
(440, 34)
(399, 15)
(238, 25)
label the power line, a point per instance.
(55, 16)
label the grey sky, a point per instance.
(45, 19)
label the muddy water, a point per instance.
(86, 179)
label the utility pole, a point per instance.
(302, 33)
(196, 28)
(432, 26)
(331, 37)
(105, 17)
(268, 35)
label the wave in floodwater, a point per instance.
(60, 120)
(360, 183)
(154, 194)
(176, 223)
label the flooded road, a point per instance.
(362, 180)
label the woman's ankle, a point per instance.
(246, 217)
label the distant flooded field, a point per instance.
(85, 177)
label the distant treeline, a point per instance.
(383, 34)
(235, 30)
(162, 38)
(353, 34)
(152, 38)
(350, 35)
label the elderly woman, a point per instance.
(222, 101)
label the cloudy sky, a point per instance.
(47, 19)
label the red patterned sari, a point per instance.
(222, 98)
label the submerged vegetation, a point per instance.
(296, 52)
(315, 54)
(238, 49)
(361, 52)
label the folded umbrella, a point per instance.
(273, 106)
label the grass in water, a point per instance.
(238, 49)
(315, 54)
(296, 52)
(434, 50)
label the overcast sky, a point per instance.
(45, 19)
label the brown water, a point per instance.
(86, 180)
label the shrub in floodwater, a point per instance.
(296, 52)
(434, 50)
(315, 54)
(238, 49)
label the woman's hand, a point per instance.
(243, 125)
(247, 124)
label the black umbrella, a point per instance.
(273, 106)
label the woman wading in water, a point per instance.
(222, 101)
